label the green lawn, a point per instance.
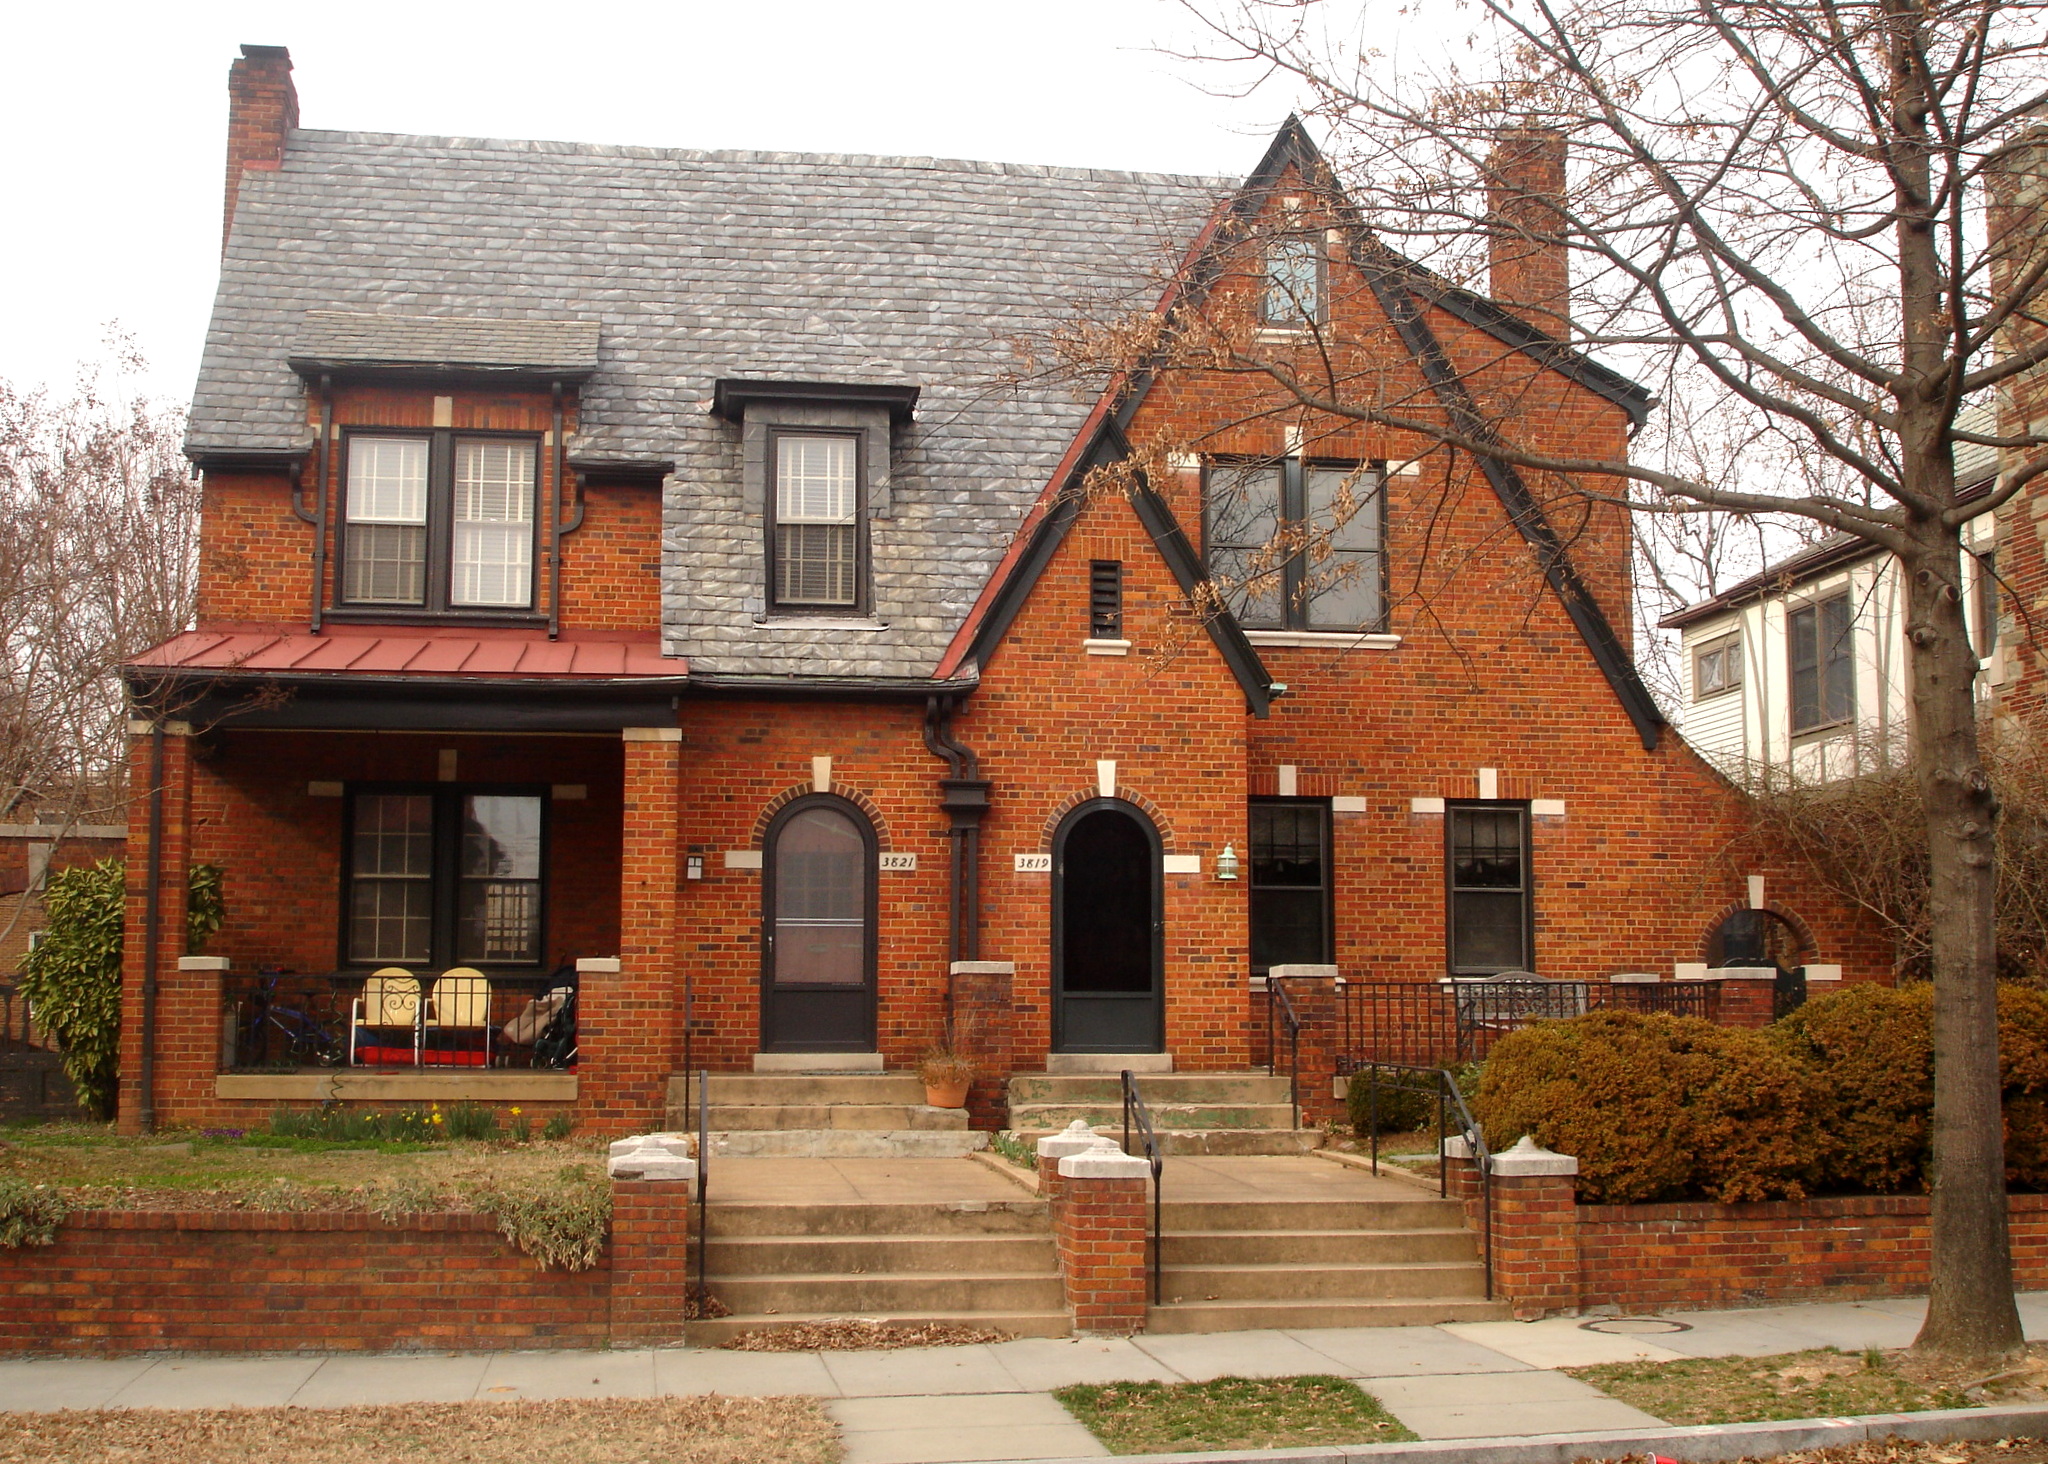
(1230, 1413)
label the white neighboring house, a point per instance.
(1802, 668)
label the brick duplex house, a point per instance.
(664, 566)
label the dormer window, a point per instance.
(439, 521)
(816, 548)
(1293, 295)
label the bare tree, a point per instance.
(98, 534)
(1776, 216)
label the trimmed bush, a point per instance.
(2023, 1073)
(1871, 1051)
(1654, 1107)
(1401, 1110)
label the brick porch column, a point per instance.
(627, 1020)
(1749, 995)
(1535, 1231)
(1313, 990)
(186, 1038)
(1101, 1224)
(651, 1276)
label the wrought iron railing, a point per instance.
(1280, 1012)
(1440, 1085)
(281, 1021)
(1445, 1023)
(1137, 1115)
(703, 1296)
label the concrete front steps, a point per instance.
(1233, 1265)
(970, 1263)
(822, 1116)
(1193, 1113)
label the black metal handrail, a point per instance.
(1440, 1023)
(1443, 1085)
(1136, 1111)
(703, 1181)
(1280, 1008)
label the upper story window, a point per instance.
(1987, 603)
(1820, 647)
(815, 549)
(1717, 668)
(1297, 545)
(1292, 293)
(439, 521)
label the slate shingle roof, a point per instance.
(695, 266)
(343, 337)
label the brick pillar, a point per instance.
(187, 1032)
(651, 1276)
(1101, 1224)
(1749, 995)
(627, 1020)
(1075, 1138)
(263, 108)
(983, 1029)
(1461, 1177)
(1313, 990)
(1535, 1231)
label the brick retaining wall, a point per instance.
(209, 1281)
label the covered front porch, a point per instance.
(438, 888)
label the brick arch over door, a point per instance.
(854, 796)
(1127, 795)
(1808, 946)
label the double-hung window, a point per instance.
(1291, 295)
(1820, 647)
(1491, 916)
(439, 521)
(815, 547)
(1297, 545)
(444, 876)
(1290, 882)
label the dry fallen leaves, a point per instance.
(850, 1334)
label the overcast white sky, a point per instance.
(116, 115)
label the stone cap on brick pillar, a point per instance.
(1075, 1138)
(1527, 1161)
(652, 1157)
(1745, 973)
(1288, 972)
(1102, 1159)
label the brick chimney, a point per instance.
(263, 108)
(1528, 267)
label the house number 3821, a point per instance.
(899, 861)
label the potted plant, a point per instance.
(946, 1074)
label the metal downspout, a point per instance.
(563, 528)
(318, 519)
(964, 794)
(152, 926)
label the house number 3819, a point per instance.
(1034, 864)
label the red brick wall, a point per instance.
(208, 1281)
(133, 1281)
(1642, 1257)
(263, 106)
(1101, 1228)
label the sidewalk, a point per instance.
(1470, 1380)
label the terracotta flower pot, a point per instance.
(947, 1095)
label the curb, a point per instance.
(1703, 1444)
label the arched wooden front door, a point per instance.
(1108, 930)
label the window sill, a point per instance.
(1330, 640)
(819, 622)
(1106, 647)
(1717, 695)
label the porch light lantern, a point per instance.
(1226, 863)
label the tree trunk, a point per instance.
(1970, 1310)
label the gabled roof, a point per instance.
(693, 267)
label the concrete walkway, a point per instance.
(1474, 1380)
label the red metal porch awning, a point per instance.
(464, 653)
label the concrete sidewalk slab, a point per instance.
(347, 1382)
(1501, 1405)
(218, 1382)
(46, 1384)
(533, 1375)
(962, 1427)
(1200, 1356)
(1851, 1326)
(927, 1370)
(1558, 1342)
(1042, 1363)
(688, 1371)
(1403, 1351)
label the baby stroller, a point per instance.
(547, 1024)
